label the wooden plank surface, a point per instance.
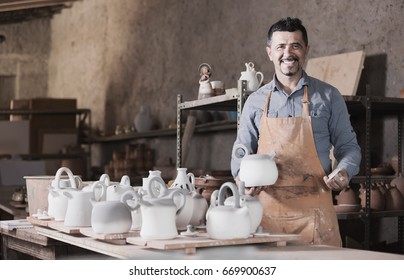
(116, 238)
(203, 240)
(59, 226)
(343, 71)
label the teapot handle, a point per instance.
(105, 179)
(98, 185)
(162, 187)
(259, 79)
(249, 66)
(234, 153)
(191, 179)
(69, 174)
(132, 196)
(125, 180)
(180, 192)
(234, 190)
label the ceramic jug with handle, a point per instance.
(109, 217)
(254, 206)
(195, 206)
(79, 207)
(228, 221)
(155, 187)
(253, 78)
(115, 191)
(57, 202)
(255, 169)
(158, 213)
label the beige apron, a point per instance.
(299, 202)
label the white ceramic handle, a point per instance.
(97, 185)
(125, 180)
(162, 186)
(191, 179)
(235, 149)
(105, 179)
(133, 196)
(69, 174)
(261, 76)
(234, 190)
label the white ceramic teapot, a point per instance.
(115, 191)
(255, 169)
(57, 202)
(228, 221)
(254, 206)
(158, 213)
(109, 217)
(253, 78)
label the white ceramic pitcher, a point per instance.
(158, 213)
(57, 202)
(253, 78)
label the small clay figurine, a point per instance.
(205, 88)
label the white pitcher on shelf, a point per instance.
(254, 79)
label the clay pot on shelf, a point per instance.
(394, 198)
(399, 183)
(347, 196)
(377, 200)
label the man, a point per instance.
(299, 118)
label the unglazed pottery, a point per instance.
(255, 169)
(347, 196)
(115, 191)
(158, 213)
(79, 207)
(199, 204)
(228, 221)
(254, 206)
(57, 202)
(394, 198)
(253, 78)
(399, 183)
(109, 217)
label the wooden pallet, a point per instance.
(56, 225)
(190, 243)
(39, 222)
(115, 238)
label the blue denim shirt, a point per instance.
(329, 115)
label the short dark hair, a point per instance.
(290, 25)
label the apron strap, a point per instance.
(267, 104)
(305, 103)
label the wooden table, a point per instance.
(250, 251)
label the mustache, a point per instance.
(289, 58)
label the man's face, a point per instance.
(288, 53)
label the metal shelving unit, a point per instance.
(364, 106)
(227, 102)
(376, 106)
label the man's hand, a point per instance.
(338, 182)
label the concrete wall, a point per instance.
(114, 56)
